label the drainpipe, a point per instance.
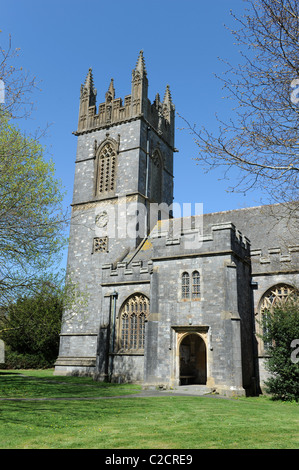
(113, 312)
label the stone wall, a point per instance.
(102, 229)
(222, 258)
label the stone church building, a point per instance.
(169, 301)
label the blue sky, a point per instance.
(182, 42)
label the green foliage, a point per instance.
(30, 328)
(17, 361)
(32, 219)
(281, 327)
(32, 222)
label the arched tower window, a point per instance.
(195, 285)
(185, 286)
(190, 286)
(273, 297)
(156, 176)
(132, 318)
(106, 168)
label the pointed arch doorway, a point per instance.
(192, 360)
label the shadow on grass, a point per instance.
(3, 372)
(19, 386)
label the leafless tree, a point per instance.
(261, 140)
(19, 86)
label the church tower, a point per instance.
(124, 166)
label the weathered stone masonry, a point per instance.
(168, 301)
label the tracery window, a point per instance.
(132, 323)
(106, 169)
(275, 296)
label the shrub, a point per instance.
(281, 327)
(30, 328)
(15, 360)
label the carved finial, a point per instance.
(89, 82)
(167, 98)
(139, 100)
(168, 106)
(110, 95)
(157, 101)
(88, 89)
(140, 65)
(88, 95)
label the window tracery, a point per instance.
(273, 297)
(106, 168)
(132, 323)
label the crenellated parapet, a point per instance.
(275, 260)
(126, 272)
(159, 114)
(165, 243)
(188, 234)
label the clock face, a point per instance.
(101, 219)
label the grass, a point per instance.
(135, 423)
(42, 384)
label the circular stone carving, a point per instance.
(101, 219)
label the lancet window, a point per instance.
(185, 286)
(195, 285)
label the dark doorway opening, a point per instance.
(193, 360)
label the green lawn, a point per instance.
(43, 384)
(135, 423)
